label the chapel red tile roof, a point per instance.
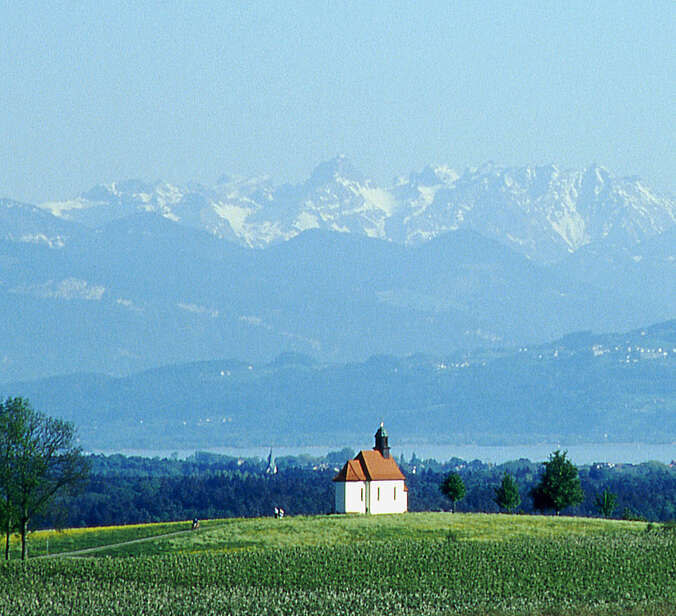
(352, 471)
(370, 465)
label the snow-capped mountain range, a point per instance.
(542, 212)
(135, 275)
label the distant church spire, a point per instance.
(381, 442)
(271, 468)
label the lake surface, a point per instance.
(633, 453)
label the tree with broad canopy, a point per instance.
(559, 485)
(38, 459)
(507, 494)
(453, 488)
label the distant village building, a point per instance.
(372, 482)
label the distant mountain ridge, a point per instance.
(584, 387)
(542, 212)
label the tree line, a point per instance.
(559, 487)
(123, 490)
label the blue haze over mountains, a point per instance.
(439, 268)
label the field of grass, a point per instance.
(249, 533)
(413, 564)
(44, 542)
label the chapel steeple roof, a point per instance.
(382, 442)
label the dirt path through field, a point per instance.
(114, 545)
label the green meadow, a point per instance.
(423, 563)
(235, 534)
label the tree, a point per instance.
(605, 503)
(559, 485)
(38, 459)
(453, 488)
(507, 494)
(10, 428)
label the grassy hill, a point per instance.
(423, 564)
(235, 534)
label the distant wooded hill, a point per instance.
(584, 387)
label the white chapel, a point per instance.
(372, 482)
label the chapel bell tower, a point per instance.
(381, 442)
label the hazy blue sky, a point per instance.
(93, 92)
